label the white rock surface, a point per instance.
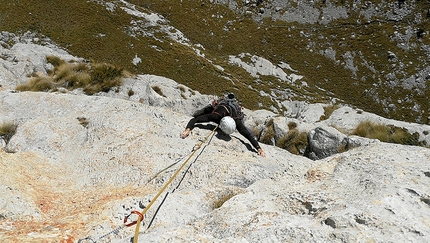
(78, 165)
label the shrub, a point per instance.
(7, 130)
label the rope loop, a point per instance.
(140, 215)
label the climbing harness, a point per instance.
(140, 215)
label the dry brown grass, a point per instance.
(158, 90)
(387, 133)
(222, 199)
(7, 130)
(294, 141)
(328, 110)
(92, 78)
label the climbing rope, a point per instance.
(140, 215)
(161, 171)
(197, 147)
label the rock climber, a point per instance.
(228, 114)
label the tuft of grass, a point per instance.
(54, 60)
(294, 141)
(158, 90)
(222, 199)
(268, 133)
(328, 110)
(387, 133)
(369, 129)
(38, 84)
(292, 125)
(103, 78)
(92, 78)
(7, 130)
(130, 93)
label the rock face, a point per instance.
(78, 165)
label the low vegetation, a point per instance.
(92, 78)
(158, 90)
(105, 35)
(294, 141)
(387, 133)
(268, 134)
(222, 199)
(328, 110)
(7, 130)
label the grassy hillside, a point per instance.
(103, 34)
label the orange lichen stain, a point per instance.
(66, 212)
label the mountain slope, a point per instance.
(370, 55)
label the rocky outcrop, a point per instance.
(78, 165)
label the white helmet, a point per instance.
(227, 125)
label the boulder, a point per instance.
(325, 141)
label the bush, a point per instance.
(7, 130)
